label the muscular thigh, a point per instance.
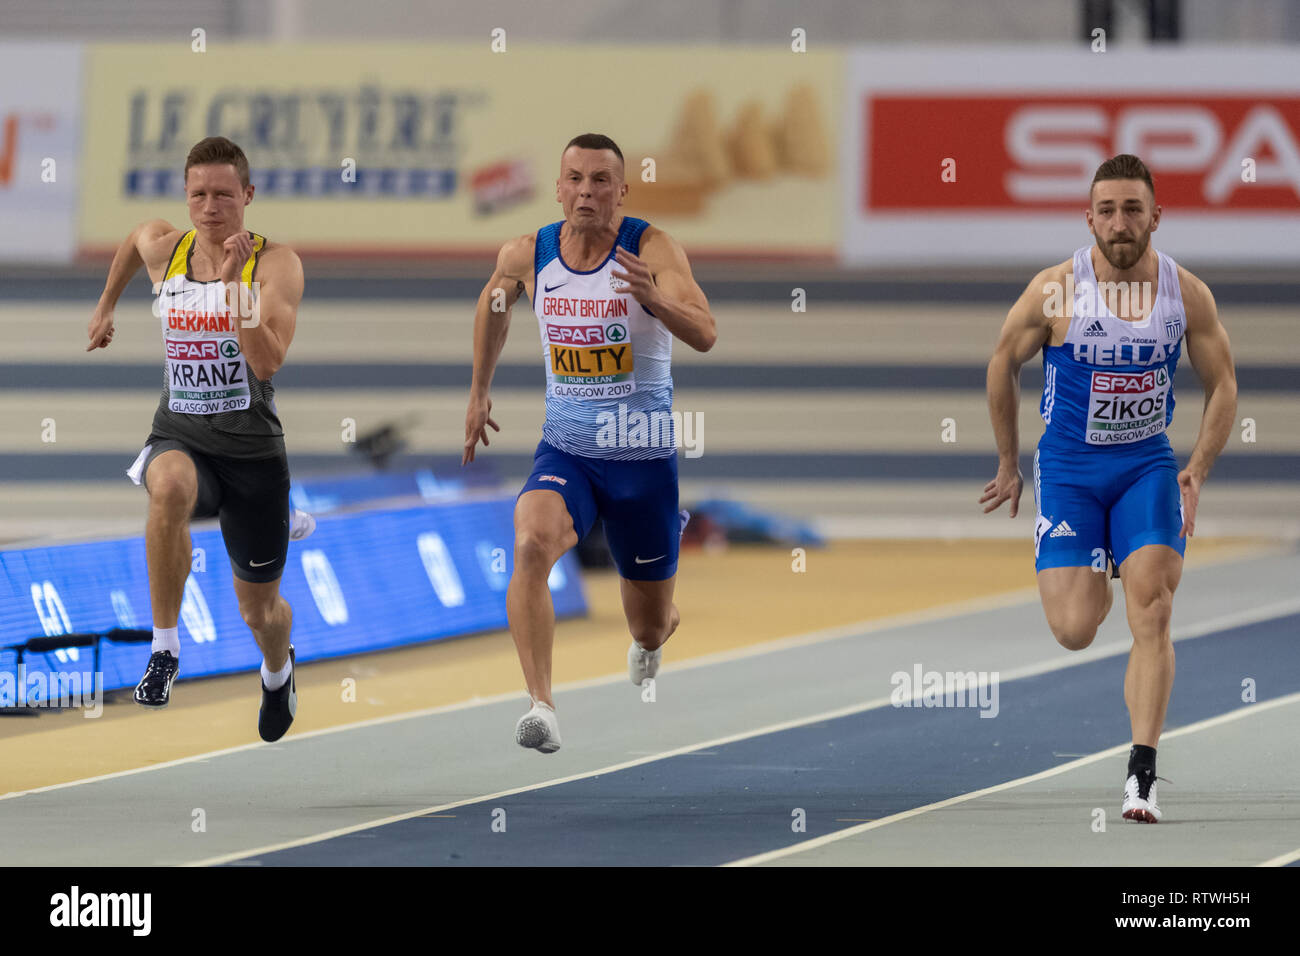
(1151, 573)
(542, 516)
(169, 464)
(1072, 593)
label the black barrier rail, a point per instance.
(48, 643)
(1247, 466)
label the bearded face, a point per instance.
(1122, 217)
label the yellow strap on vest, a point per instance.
(179, 263)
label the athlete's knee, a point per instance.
(258, 614)
(539, 550)
(650, 631)
(173, 491)
(1150, 609)
(1073, 629)
(1075, 638)
(1075, 610)
(652, 627)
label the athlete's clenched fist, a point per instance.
(236, 250)
(640, 282)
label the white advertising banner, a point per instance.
(40, 134)
(984, 156)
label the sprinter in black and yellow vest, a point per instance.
(228, 301)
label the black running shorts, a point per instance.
(250, 496)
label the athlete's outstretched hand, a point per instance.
(1189, 483)
(1007, 484)
(100, 329)
(477, 418)
(637, 275)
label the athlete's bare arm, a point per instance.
(1211, 356)
(149, 245)
(660, 279)
(265, 335)
(513, 276)
(1027, 329)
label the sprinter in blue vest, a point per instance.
(610, 293)
(1110, 323)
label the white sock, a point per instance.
(167, 639)
(274, 680)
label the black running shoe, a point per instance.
(278, 706)
(155, 688)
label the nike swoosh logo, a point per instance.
(260, 564)
(552, 288)
(648, 560)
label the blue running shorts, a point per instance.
(636, 499)
(1113, 499)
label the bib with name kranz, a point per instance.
(206, 371)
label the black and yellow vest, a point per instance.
(211, 400)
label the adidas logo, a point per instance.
(1095, 329)
(1063, 530)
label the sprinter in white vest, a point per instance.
(228, 303)
(1110, 323)
(610, 293)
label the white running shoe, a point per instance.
(301, 525)
(539, 729)
(1140, 798)
(642, 664)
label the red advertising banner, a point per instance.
(983, 156)
(1207, 153)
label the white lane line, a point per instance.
(868, 626)
(838, 835)
(1282, 860)
(1029, 670)
(343, 831)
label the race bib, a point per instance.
(206, 376)
(590, 361)
(1126, 406)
